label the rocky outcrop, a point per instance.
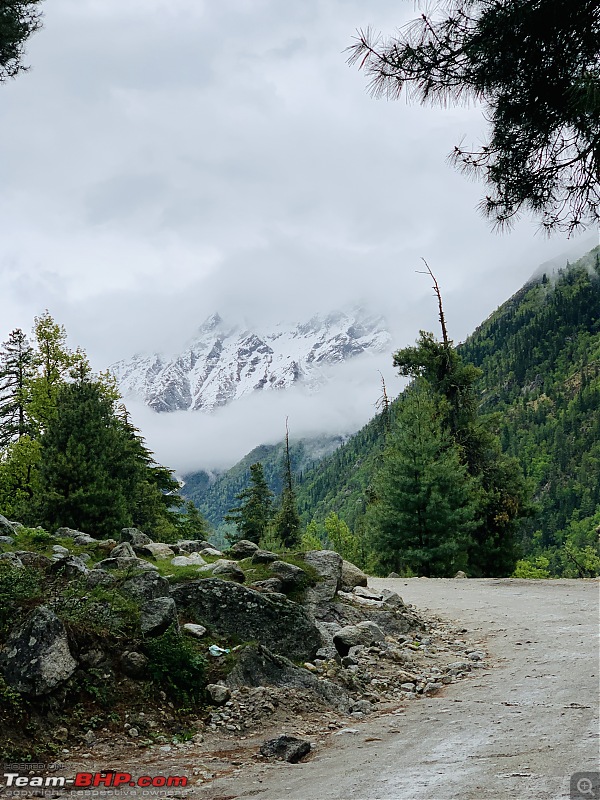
(328, 565)
(258, 666)
(230, 609)
(351, 576)
(146, 586)
(36, 657)
(156, 616)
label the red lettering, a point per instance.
(145, 780)
(104, 780)
(121, 778)
(83, 779)
(177, 781)
(160, 780)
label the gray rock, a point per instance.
(192, 545)
(290, 575)
(328, 650)
(70, 567)
(68, 533)
(60, 550)
(123, 550)
(6, 527)
(286, 748)
(393, 575)
(460, 574)
(365, 633)
(234, 610)
(369, 594)
(242, 549)
(264, 557)
(228, 569)
(135, 537)
(259, 666)
(36, 657)
(352, 576)
(362, 707)
(210, 551)
(99, 577)
(85, 540)
(158, 615)
(196, 631)
(36, 560)
(134, 664)
(328, 565)
(7, 539)
(125, 564)
(191, 560)
(218, 693)
(12, 559)
(146, 586)
(270, 585)
(392, 600)
(156, 550)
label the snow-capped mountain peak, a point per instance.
(225, 362)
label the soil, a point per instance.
(518, 726)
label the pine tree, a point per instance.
(16, 372)
(426, 502)
(286, 524)
(252, 516)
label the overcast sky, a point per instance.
(164, 159)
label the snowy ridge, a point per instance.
(224, 363)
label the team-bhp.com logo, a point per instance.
(88, 780)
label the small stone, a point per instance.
(460, 574)
(218, 693)
(133, 732)
(197, 631)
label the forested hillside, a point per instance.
(539, 354)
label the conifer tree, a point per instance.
(16, 372)
(426, 502)
(286, 523)
(252, 516)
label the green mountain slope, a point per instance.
(540, 357)
(215, 495)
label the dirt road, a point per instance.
(518, 730)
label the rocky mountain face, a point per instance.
(224, 362)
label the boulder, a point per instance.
(328, 565)
(218, 693)
(259, 666)
(7, 539)
(369, 594)
(210, 551)
(460, 574)
(228, 569)
(192, 545)
(352, 576)
(134, 664)
(125, 564)
(195, 631)
(392, 600)
(290, 575)
(264, 557)
(99, 577)
(68, 533)
(270, 585)
(191, 560)
(242, 549)
(59, 550)
(234, 610)
(70, 567)
(6, 527)
(155, 550)
(12, 559)
(85, 540)
(36, 657)
(146, 586)
(286, 748)
(365, 633)
(123, 550)
(36, 560)
(135, 537)
(158, 615)
(393, 575)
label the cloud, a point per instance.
(189, 441)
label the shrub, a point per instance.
(177, 666)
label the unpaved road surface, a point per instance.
(518, 730)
